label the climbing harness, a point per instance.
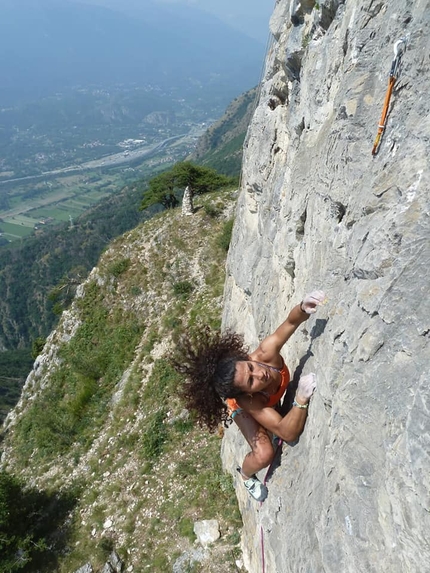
(263, 562)
(399, 48)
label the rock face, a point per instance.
(316, 210)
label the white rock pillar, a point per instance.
(187, 202)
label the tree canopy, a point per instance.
(167, 187)
(33, 525)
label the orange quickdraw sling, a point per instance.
(399, 47)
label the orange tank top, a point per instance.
(273, 398)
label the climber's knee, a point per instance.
(263, 453)
(257, 437)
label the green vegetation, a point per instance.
(39, 274)
(82, 386)
(46, 269)
(118, 267)
(165, 188)
(32, 525)
(108, 416)
(38, 281)
(221, 146)
(160, 390)
(37, 346)
(110, 412)
(183, 289)
(39, 277)
(306, 40)
(154, 435)
(174, 441)
(211, 210)
(14, 367)
(225, 237)
(15, 230)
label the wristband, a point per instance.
(301, 307)
(301, 406)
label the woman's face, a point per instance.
(251, 377)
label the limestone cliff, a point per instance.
(316, 210)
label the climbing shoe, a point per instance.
(255, 488)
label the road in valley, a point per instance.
(124, 157)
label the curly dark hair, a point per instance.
(208, 360)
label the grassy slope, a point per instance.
(108, 425)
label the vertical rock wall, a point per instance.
(316, 210)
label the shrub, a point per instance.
(186, 529)
(183, 289)
(154, 435)
(37, 346)
(211, 211)
(118, 267)
(225, 236)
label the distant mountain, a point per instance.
(46, 45)
(221, 146)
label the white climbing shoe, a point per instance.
(255, 488)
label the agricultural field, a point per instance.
(32, 203)
(60, 155)
(51, 202)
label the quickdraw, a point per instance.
(399, 48)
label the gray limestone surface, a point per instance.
(317, 210)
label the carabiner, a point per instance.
(397, 46)
(398, 53)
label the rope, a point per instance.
(398, 52)
(269, 469)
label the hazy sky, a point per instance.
(248, 16)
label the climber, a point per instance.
(224, 382)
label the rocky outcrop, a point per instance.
(316, 210)
(231, 125)
(113, 565)
(221, 146)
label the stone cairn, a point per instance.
(187, 202)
